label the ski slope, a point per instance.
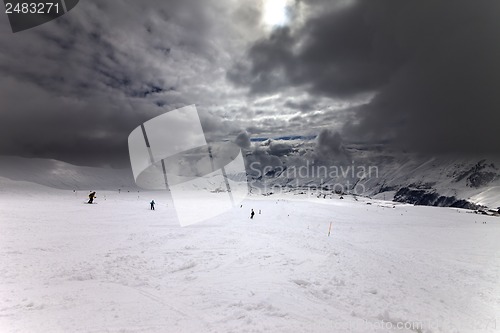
(117, 266)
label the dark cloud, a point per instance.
(445, 98)
(432, 66)
(73, 89)
(72, 129)
(243, 140)
(260, 160)
(337, 54)
(271, 61)
(303, 106)
(280, 148)
(421, 74)
(330, 146)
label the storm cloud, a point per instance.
(243, 140)
(431, 67)
(74, 88)
(422, 75)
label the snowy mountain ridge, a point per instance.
(62, 175)
(374, 171)
(293, 165)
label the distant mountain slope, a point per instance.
(61, 175)
(444, 180)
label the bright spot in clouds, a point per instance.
(274, 13)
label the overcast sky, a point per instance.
(421, 74)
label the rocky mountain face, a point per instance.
(445, 180)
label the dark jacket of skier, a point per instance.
(91, 197)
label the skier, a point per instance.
(91, 197)
(252, 214)
(152, 203)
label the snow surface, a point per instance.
(117, 266)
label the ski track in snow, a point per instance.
(119, 267)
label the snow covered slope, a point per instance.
(63, 175)
(119, 267)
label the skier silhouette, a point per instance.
(152, 203)
(91, 197)
(252, 214)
